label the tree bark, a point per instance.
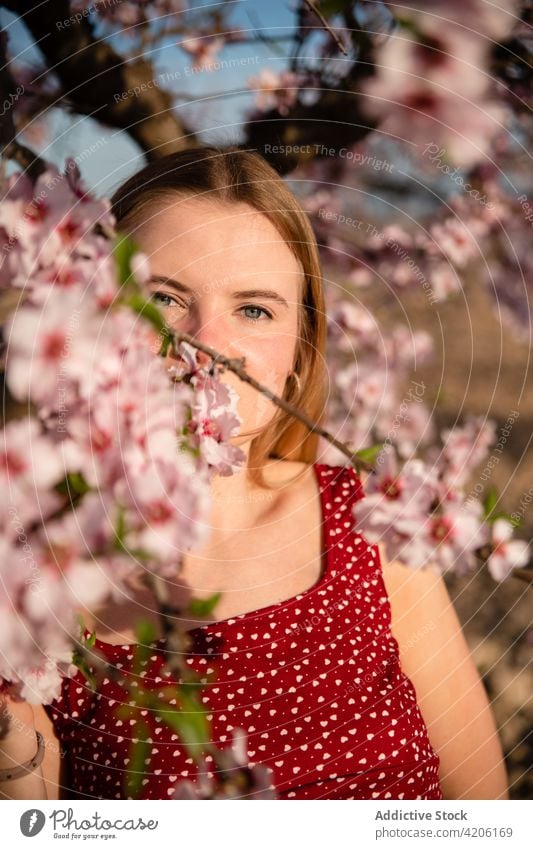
(92, 73)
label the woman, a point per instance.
(349, 674)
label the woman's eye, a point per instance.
(260, 309)
(165, 300)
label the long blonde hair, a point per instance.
(235, 175)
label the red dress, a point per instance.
(315, 681)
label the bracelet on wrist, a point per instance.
(20, 770)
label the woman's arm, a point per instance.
(18, 744)
(54, 765)
(450, 694)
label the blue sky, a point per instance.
(107, 157)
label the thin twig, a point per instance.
(523, 574)
(325, 24)
(236, 365)
(32, 164)
(265, 39)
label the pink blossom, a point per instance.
(129, 13)
(109, 410)
(38, 625)
(448, 539)
(454, 241)
(456, 532)
(164, 510)
(511, 271)
(435, 87)
(367, 400)
(409, 349)
(410, 427)
(63, 213)
(214, 411)
(44, 224)
(360, 276)
(215, 416)
(41, 343)
(27, 457)
(29, 467)
(395, 501)
(463, 449)
(351, 327)
(275, 89)
(507, 554)
(320, 203)
(203, 48)
(494, 20)
(39, 684)
(444, 281)
(398, 510)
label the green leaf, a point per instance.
(73, 484)
(203, 606)
(120, 531)
(81, 623)
(141, 554)
(193, 688)
(501, 514)
(410, 25)
(91, 639)
(190, 723)
(329, 8)
(123, 711)
(145, 634)
(191, 449)
(145, 307)
(145, 631)
(165, 344)
(138, 752)
(79, 661)
(78, 657)
(124, 248)
(490, 502)
(369, 454)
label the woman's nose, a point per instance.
(210, 333)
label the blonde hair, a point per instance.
(235, 175)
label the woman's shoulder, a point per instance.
(435, 656)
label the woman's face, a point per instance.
(223, 274)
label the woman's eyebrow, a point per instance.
(269, 294)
